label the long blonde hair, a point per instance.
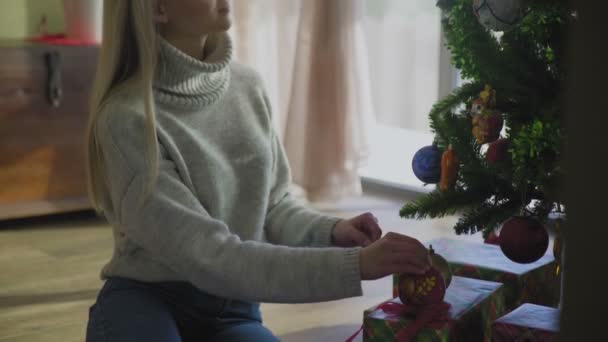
(127, 62)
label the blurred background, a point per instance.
(52, 246)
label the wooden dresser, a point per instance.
(44, 92)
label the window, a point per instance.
(409, 72)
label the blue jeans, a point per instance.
(127, 310)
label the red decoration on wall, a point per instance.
(59, 39)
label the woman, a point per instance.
(185, 165)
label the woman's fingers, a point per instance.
(409, 249)
(406, 266)
(394, 253)
(403, 238)
(369, 225)
(359, 238)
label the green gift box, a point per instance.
(474, 305)
(535, 283)
(529, 322)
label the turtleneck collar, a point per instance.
(187, 82)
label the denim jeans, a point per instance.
(129, 310)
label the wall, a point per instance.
(20, 18)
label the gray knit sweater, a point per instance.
(220, 216)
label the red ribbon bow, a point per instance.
(434, 316)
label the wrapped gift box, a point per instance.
(529, 322)
(475, 304)
(535, 283)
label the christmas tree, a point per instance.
(511, 54)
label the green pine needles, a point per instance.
(525, 66)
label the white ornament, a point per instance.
(498, 15)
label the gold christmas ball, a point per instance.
(440, 264)
(421, 290)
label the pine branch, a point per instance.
(459, 96)
(542, 209)
(440, 204)
(455, 130)
(525, 68)
(486, 217)
(483, 57)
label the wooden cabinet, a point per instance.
(42, 146)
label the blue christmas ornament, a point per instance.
(427, 164)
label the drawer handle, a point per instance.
(54, 87)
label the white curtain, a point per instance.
(381, 59)
(330, 103)
(403, 37)
(312, 55)
(265, 34)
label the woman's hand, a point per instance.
(361, 231)
(394, 253)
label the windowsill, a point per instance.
(389, 162)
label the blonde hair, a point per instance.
(127, 62)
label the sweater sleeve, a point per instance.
(288, 221)
(174, 226)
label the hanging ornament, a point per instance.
(427, 164)
(523, 239)
(421, 290)
(486, 100)
(440, 264)
(487, 126)
(498, 15)
(497, 151)
(449, 170)
(487, 121)
(477, 107)
(487, 97)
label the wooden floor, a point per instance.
(49, 276)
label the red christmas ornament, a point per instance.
(487, 126)
(497, 151)
(523, 239)
(487, 121)
(421, 290)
